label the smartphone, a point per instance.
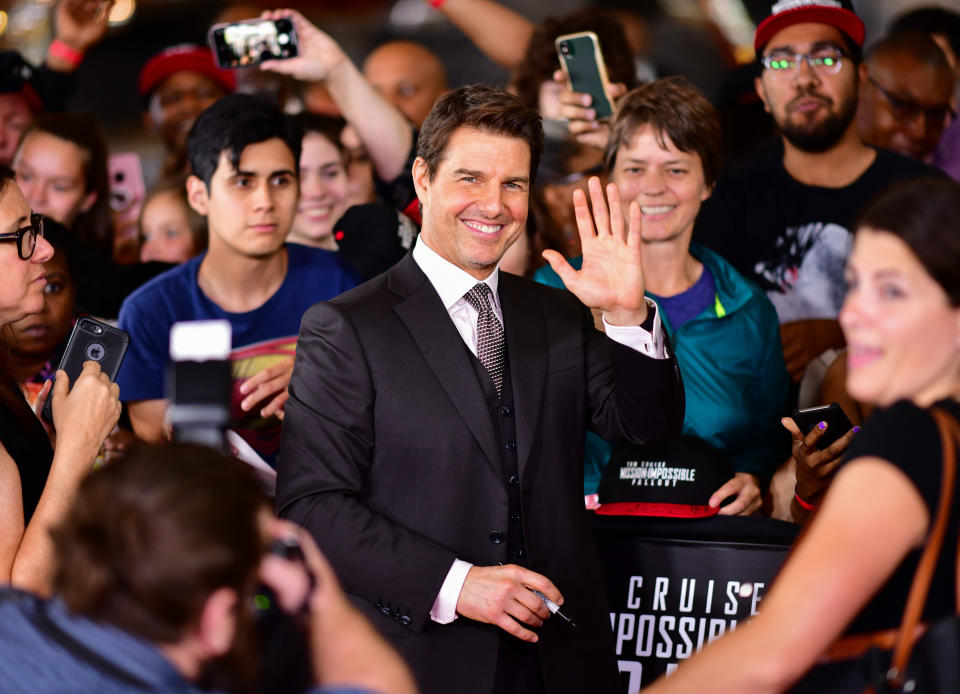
(837, 421)
(253, 41)
(582, 63)
(91, 340)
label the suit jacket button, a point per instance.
(497, 536)
(515, 516)
(511, 445)
(405, 620)
(513, 481)
(518, 552)
(505, 411)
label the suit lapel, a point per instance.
(527, 351)
(441, 345)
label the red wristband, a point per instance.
(804, 504)
(58, 49)
(437, 4)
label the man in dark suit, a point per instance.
(433, 441)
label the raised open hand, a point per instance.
(611, 278)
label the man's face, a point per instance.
(476, 204)
(249, 209)
(813, 109)
(408, 76)
(15, 116)
(904, 103)
(177, 102)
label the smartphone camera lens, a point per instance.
(565, 48)
(97, 330)
(283, 39)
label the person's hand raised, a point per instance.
(82, 23)
(611, 278)
(318, 56)
(577, 109)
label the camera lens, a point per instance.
(97, 329)
(565, 48)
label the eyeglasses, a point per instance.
(906, 110)
(26, 238)
(824, 61)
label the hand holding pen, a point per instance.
(504, 596)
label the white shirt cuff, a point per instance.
(444, 609)
(636, 338)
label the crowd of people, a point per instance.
(449, 307)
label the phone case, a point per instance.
(583, 65)
(837, 421)
(91, 340)
(251, 48)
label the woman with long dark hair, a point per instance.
(36, 480)
(851, 572)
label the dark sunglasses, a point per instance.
(26, 238)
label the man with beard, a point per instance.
(159, 558)
(783, 219)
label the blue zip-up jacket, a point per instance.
(734, 377)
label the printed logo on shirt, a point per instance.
(808, 271)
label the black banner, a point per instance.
(670, 597)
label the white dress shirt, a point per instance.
(451, 283)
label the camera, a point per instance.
(198, 382)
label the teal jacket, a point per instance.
(734, 378)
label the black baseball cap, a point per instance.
(784, 13)
(17, 77)
(372, 238)
(672, 479)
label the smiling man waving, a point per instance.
(433, 440)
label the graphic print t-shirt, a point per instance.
(790, 238)
(261, 338)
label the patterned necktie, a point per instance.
(490, 343)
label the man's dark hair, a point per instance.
(674, 108)
(149, 539)
(231, 125)
(917, 44)
(922, 213)
(931, 20)
(486, 108)
(540, 61)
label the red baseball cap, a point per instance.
(183, 58)
(836, 13)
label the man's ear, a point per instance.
(762, 93)
(197, 195)
(217, 627)
(864, 74)
(421, 180)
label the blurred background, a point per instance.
(703, 39)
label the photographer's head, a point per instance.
(244, 155)
(167, 546)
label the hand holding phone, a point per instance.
(586, 73)
(832, 415)
(90, 340)
(253, 41)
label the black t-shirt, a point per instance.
(907, 437)
(26, 442)
(790, 238)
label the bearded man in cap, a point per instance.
(783, 219)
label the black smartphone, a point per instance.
(582, 63)
(252, 41)
(91, 340)
(837, 421)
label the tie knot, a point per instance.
(477, 296)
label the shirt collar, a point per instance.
(450, 281)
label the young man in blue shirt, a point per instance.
(243, 155)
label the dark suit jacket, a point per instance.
(389, 457)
